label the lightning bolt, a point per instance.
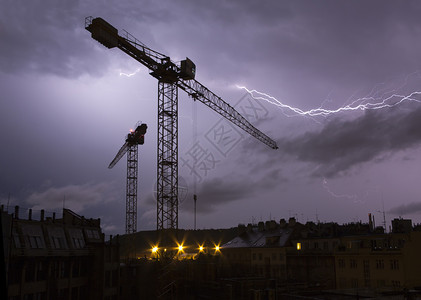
(129, 74)
(365, 103)
(327, 188)
(381, 96)
(355, 198)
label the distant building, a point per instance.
(401, 225)
(63, 258)
(286, 253)
(379, 261)
(324, 256)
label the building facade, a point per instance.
(64, 258)
(313, 257)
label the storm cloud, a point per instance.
(217, 192)
(75, 197)
(405, 209)
(340, 145)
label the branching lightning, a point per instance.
(365, 103)
(381, 96)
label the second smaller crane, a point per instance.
(134, 138)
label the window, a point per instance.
(78, 242)
(30, 272)
(92, 234)
(76, 269)
(15, 272)
(341, 263)
(260, 256)
(16, 239)
(40, 296)
(394, 264)
(379, 264)
(396, 283)
(64, 269)
(60, 269)
(28, 297)
(75, 293)
(58, 242)
(273, 256)
(41, 270)
(77, 238)
(35, 242)
(63, 293)
(353, 264)
(114, 278)
(254, 256)
(83, 271)
(107, 278)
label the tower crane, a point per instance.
(171, 76)
(134, 138)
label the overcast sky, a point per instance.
(67, 102)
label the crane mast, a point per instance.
(134, 138)
(170, 77)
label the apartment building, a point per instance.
(59, 258)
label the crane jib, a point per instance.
(164, 69)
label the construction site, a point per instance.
(67, 256)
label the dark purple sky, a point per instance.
(66, 106)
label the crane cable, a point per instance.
(194, 109)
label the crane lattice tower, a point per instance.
(134, 138)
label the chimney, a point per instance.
(54, 216)
(42, 215)
(249, 227)
(30, 214)
(370, 223)
(270, 225)
(241, 229)
(16, 212)
(261, 226)
(283, 223)
(291, 222)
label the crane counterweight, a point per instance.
(103, 32)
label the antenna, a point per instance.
(194, 159)
(8, 201)
(384, 216)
